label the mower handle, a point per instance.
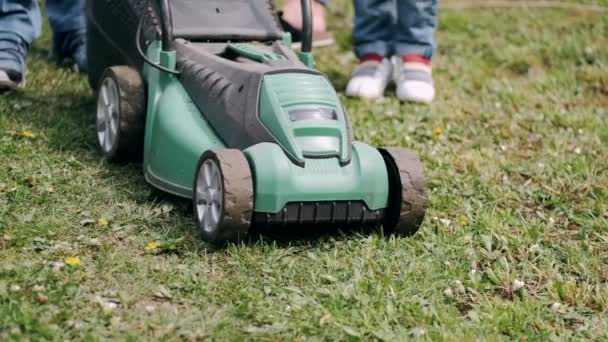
(306, 26)
(166, 20)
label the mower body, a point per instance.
(235, 84)
(313, 160)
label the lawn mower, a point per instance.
(220, 109)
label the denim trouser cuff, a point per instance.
(378, 48)
(384, 49)
(425, 51)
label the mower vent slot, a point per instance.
(339, 213)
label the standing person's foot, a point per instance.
(12, 62)
(69, 48)
(291, 20)
(414, 79)
(11, 80)
(370, 77)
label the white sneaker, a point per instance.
(8, 81)
(414, 81)
(369, 79)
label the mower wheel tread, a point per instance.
(237, 209)
(407, 195)
(132, 113)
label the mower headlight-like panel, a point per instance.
(313, 114)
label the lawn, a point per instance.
(514, 244)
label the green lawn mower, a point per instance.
(209, 94)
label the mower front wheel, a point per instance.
(223, 196)
(407, 192)
(121, 106)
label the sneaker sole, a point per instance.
(11, 86)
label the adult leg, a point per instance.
(415, 45)
(66, 15)
(67, 19)
(20, 25)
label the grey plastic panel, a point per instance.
(219, 20)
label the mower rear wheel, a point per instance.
(407, 192)
(223, 196)
(121, 106)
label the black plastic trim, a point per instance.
(335, 213)
(307, 26)
(166, 19)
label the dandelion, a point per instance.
(28, 134)
(463, 220)
(102, 222)
(152, 246)
(73, 261)
(437, 131)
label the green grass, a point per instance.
(516, 153)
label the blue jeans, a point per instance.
(395, 27)
(20, 25)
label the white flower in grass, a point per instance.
(518, 284)
(57, 266)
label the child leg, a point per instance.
(415, 45)
(374, 27)
(416, 24)
(373, 38)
